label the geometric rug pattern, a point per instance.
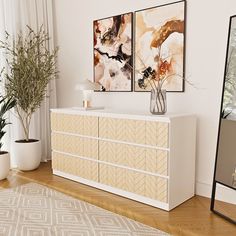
(36, 210)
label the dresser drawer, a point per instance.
(78, 124)
(75, 166)
(132, 181)
(135, 131)
(147, 159)
(157, 134)
(85, 147)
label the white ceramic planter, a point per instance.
(27, 155)
(4, 165)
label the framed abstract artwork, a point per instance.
(160, 47)
(113, 53)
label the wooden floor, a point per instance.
(191, 218)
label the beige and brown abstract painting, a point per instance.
(159, 46)
(113, 55)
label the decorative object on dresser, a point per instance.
(147, 158)
(87, 87)
(160, 47)
(113, 52)
(5, 105)
(158, 104)
(225, 161)
(31, 66)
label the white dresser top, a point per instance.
(137, 115)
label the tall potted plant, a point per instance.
(5, 105)
(31, 66)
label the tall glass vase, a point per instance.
(158, 102)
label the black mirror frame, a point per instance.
(215, 182)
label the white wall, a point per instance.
(207, 29)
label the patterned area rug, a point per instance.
(35, 210)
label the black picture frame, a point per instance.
(215, 181)
(131, 57)
(184, 45)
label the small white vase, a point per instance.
(4, 165)
(27, 155)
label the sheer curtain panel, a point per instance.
(14, 16)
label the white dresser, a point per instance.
(147, 158)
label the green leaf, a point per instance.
(30, 67)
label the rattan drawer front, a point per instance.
(143, 184)
(80, 146)
(147, 159)
(75, 166)
(122, 129)
(135, 131)
(157, 134)
(157, 161)
(78, 124)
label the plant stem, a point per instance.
(25, 124)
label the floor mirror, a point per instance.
(225, 164)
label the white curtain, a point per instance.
(14, 16)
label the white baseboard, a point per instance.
(222, 193)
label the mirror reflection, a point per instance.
(227, 209)
(229, 99)
(226, 155)
(226, 160)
